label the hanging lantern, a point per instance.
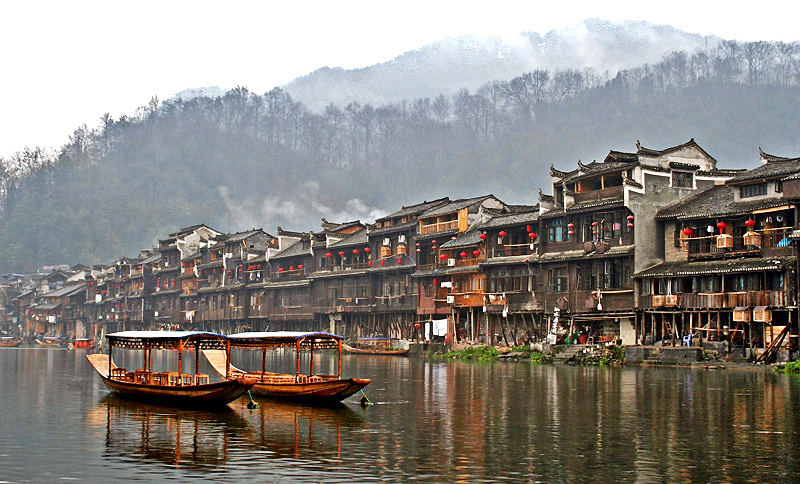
(416, 325)
(722, 226)
(328, 255)
(435, 281)
(571, 225)
(399, 261)
(687, 231)
(443, 257)
(476, 252)
(383, 263)
(367, 250)
(300, 266)
(355, 251)
(502, 233)
(433, 241)
(630, 225)
(291, 268)
(750, 223)
(571, 232)
(369, 264)
(531, 235)
(630, 217)
(463, 254)
(280, 269)
(528, 228)
(434, 247)
(418, 244)
(341, 253)
(594, 224)
(419, 250)
(482, 236)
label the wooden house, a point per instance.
(728, 261)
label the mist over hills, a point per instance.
(470, 61)
(245, 160)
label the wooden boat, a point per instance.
(171, 387)
(49, 341)
(81, 344)
(375, 346)
(310, 388)
(9, 342)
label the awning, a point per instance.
(741, 308)
(761, 308)
(773, 209)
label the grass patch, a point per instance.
(538, 358)
(792, 367)
(480, 353)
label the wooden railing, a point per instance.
(598, 194)
(706, 246)
(719, 300)
(438, 227)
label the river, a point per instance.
(431, 421)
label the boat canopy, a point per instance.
(166, 339)
(287, 339)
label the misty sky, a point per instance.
(67, 62)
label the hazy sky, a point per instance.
(67, 62)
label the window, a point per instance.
(558, 279)
(555, 231)
(756, 190)
(682, 179)
(429, 288)
(778, 186)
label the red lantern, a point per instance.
(367, 250)
(369, 263)
(433, 241)
(571, 225)
(435, 281)
(750, 223)
(419, 250)
(502, 233)
(300, 266)
(571, 232)
(687, 231)
(443, 257)
(630, 225)
(434, 247)
(594, 224)
(416, 325)
(341, 253)
(531, 235)
(355, 251)
(328, 255)
(722, 226)
(630, 217)
(528, 228)
(399, 261)
(383, 263)
(418, 244)
(291, 268)
(482, 236)
(280, 269)
(463, 254)
(476, 252)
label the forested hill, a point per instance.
(245, 160)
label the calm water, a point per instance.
(432, 421)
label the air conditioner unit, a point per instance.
(451, 262)
(387, 241)
(451, 299)
(401, 239)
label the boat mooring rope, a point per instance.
(252, 404)
(364, 400)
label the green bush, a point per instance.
(792, 367)
(538, 358)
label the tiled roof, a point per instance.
(616, 251)
(726, 266)
(449, 270)
(393, 228)
(512, 219)
(64, 291)
(238, 237)
(594, 169)
(469, 238)
(611, 202)
(509, 260)
(454, 206)
(717, 201)
(772, 169)
(641, 150)
(359, 238)
(415, 209)
(293, 250)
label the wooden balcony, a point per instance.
(720, 300)
(609, 192)
(774, 242)
(438, 227)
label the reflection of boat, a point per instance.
(9, 341)
(309, 388)
(176, 388)
(49, 341)
(81, 344)
(195, 438)
(375, 346)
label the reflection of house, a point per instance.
(728, 270)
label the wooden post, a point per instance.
(227, 359)
(110, 346)
(339, 365)
(196, 359)
(311, 364)
(263, 361)
(180, 360)
(297, 349)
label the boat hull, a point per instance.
(207, 395)
(374, 351)
(10, 344)
(48, 344)
(327, 392)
